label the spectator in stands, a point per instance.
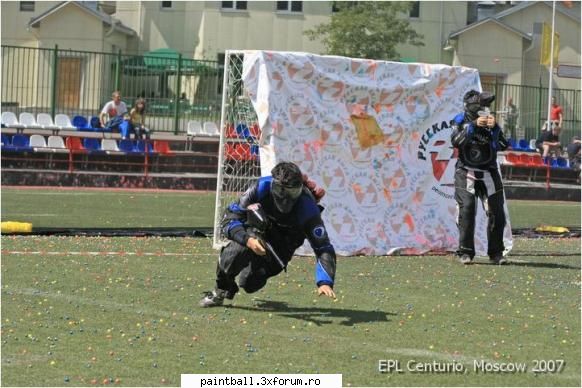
(556, 112)
(574, 153)
(549, 142)
(113, 113)
(137, 120)
(510, 114)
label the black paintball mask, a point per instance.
(286, 186)
(285, 196)
(475, 102)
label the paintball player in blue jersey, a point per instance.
(478, 138)
(265, 227)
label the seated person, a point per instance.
(136, 122)
(549, 142)
(574, 153)
(113, 113)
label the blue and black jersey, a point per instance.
(477, 146)
(288, 231)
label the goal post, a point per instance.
(238, 156)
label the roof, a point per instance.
(105, 18)
(455, 34)
(573, 13)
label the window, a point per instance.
(27, 6)
(290, 6)
(166, 4)
(240, 5)
(415, 10)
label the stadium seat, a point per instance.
(62, 121)
(56, 142)
(162, 147)
(27, 120)
(535, 160)
(256, 131)
(81, 123)
(126, 145)
(524, 145)
(194, 128)
(558, 162)
(109, 145)
(513, 144)
(532, 145)
(20, 143)
(5, 141)
(141, 146)
(74, 144)
(37, 141)
(243, 131)
(513, 158)
(9, 120)
(91, 144)
(95, 124)
(211, 129)
(45, 121)
(230, 152)
(230, 132)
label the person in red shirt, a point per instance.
(556, 112)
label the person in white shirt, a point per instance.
(113, 110)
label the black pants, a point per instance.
(254, 270)
(487, 186)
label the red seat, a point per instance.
(230, 152)
(231, 132)
(244, 150)
(536, 160)
(74, 144)
(513, 158)
(162, 147)
(524, 160)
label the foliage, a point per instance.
(367, 29)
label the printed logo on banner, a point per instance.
(301, 153)
(436, 151)
(300, 73)
(332, 171)
(365, 191)
(395, 180)
(363, 68)
(330, 90)
(332, 130)
(342, 220)
(300, 114)
(375, 233)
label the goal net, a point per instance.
(238, 160)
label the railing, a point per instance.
(54, 81)
(532, 107)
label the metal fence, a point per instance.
(532, 108)
(178, 89)
(80, 82)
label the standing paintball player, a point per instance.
(478, 138)
(265, 227)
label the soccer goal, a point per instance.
(238, 159)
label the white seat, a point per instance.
(109, 145)
(63, 121)
(211, 129)
(27, 120)
(10, 120)
(194, 128)
(56, 142)
(532, 144)
(37, 141)
(45, 120)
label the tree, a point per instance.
(367, 29)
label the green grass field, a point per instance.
(96, 311)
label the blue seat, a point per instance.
(560, 163)
(95, 123)
(243, 131)
(141, 146)
(92, 145)
(514, 145)
(254, 149)
(19, 143)
(127, 145)
(81, 123)
(6, 141)
(524, 145)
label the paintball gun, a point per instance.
(259, 224)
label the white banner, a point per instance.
(376, 136)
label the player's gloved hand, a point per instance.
(326, 290)
(491, 121)
(318, 192)
(255, 245)
(482, 121)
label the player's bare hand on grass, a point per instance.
(326, 290)
(256, 246)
